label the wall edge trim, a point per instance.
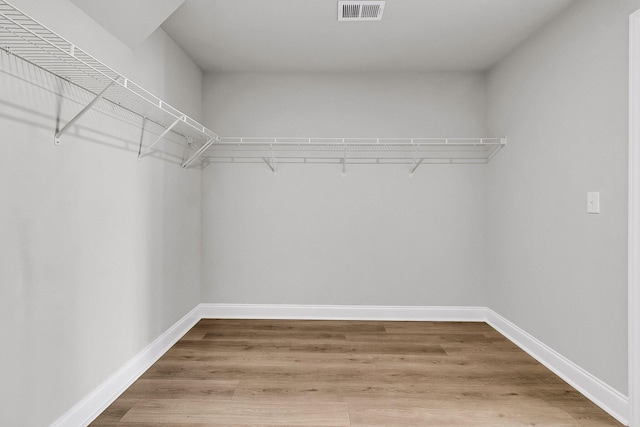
(633, 243)
(606, 397)
(343, 312)
(600, 393)
(92, 405)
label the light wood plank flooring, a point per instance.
(242, 373)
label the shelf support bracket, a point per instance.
(503, 142)
(270, 161)
(415, 163)
(90, 105)
(162, 135)
(144, 122)
(344, 161)
(198, 153)
(415, 166)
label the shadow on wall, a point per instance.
(99, 254)
(38, 109)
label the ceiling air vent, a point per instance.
(360, 10)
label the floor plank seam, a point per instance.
(305, 373)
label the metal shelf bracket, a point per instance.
(344, 161)
(415, 163)
(198, 153)
(273, 162)
(144, 122)
(415, 166)
(412, 152)
(25, 38)
(271, 166)
(161, 137)
(59, 133)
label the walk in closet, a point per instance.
(179, 160)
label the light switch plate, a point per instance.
(593, 202)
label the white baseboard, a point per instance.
(603, 395)
(600, 393)
(97, 401)
(85, 411)
(342, 312)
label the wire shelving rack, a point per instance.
(24, 37)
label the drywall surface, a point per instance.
(554, 270)
(345, 105)
(376, 235)
(161, 67)
(100, 254)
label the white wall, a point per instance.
(100, 254)
(554, 270)
(161, 67)
(374, 236)
(345, 105)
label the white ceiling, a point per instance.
(305, 35)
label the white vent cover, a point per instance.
(360, 10)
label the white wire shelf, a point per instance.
(411, 151)
(24, 37)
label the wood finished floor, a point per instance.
(241, 373)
